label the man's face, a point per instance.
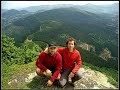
(52, 50)
(71, 45)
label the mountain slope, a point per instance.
(67, 22)
(12, 15)
(13, 12)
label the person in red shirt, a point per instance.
(49, 64)
(72, 63)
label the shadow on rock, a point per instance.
(38, 82)
(41, 83)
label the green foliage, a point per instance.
(30, 50)
(93, 59)
(8, 50)
(101, 41)
(41, 44)
(18, 55)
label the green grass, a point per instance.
(15, 70)
(23, 69)
(5, 76)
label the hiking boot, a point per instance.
(69, 80)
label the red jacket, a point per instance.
(45, 61)
(70, 58)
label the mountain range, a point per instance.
(91, 24)
(112, 8)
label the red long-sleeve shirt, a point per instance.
(45, 61)
(71, 59)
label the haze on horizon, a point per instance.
(23, 4)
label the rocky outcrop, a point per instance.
(87, 47)
(93, 80)
(105, 54)
(90, 80)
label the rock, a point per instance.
(92, 79)
(30, 77)
(106, 54)
(21, 79)
(12, 81)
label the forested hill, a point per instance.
(8, 16)
(99, 30)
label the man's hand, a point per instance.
(48, 72)
(49, 83)
(46, 50)
(71, 75)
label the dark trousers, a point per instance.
(64, 76)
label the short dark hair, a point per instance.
(71, 39)
(52, 43)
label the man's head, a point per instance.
(71, 43)
(52, 48)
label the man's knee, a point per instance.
(39, 71)
(59, 75)
(62, 82)
(79, 73)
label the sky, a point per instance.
(22, 4)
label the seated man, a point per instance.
(49, 63)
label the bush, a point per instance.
(18, 55)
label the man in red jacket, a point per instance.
(49, 64)
(71, 62)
